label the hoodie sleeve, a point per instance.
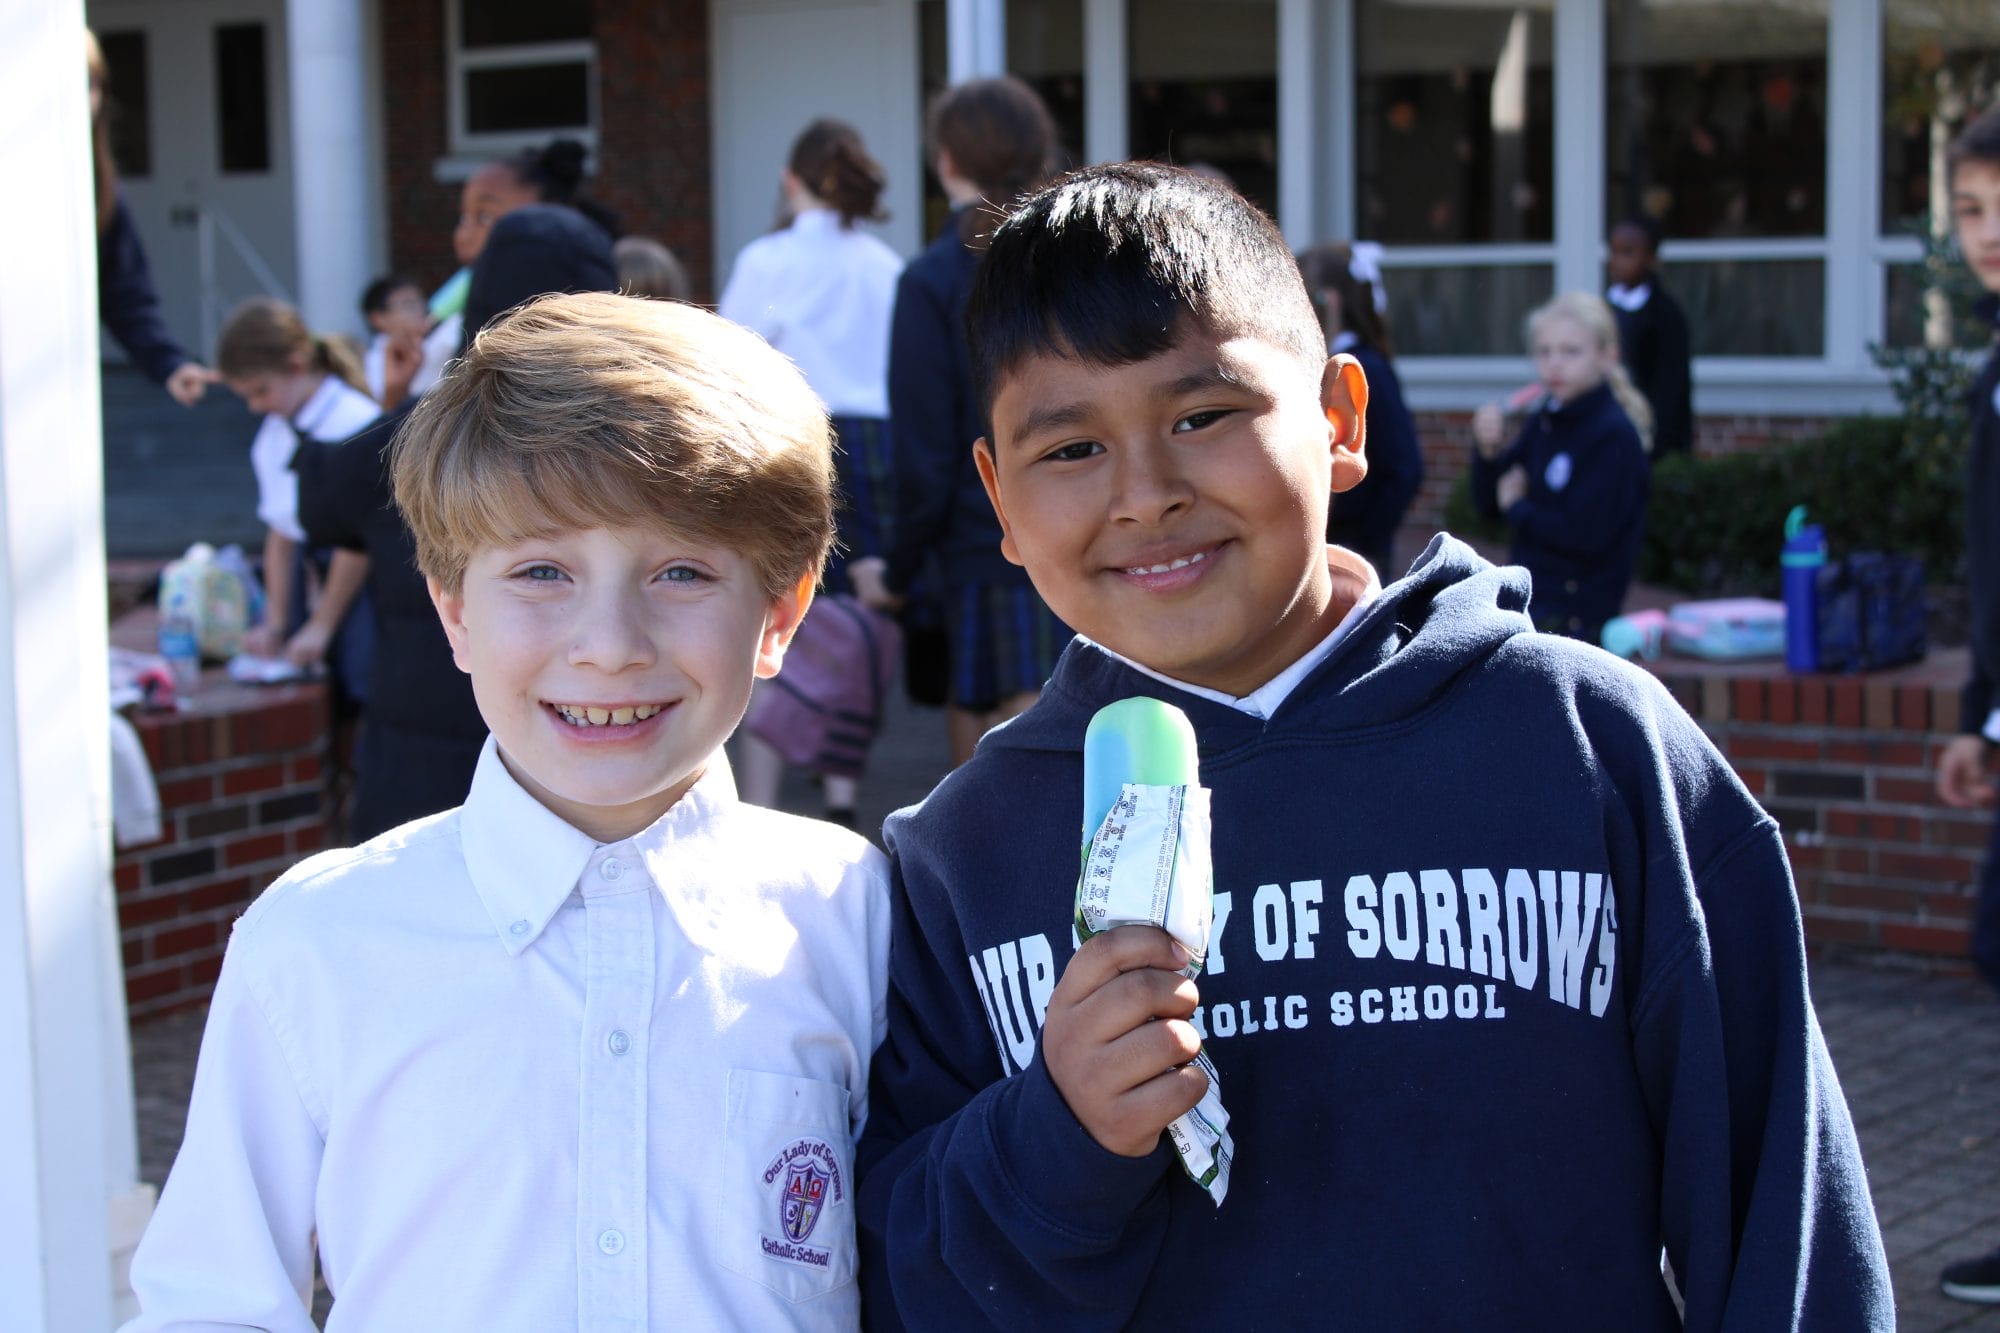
(924, 415)
(127, 303)
(1604, 497)
(1765, 1208)
(982, 1200)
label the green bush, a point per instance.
(1714, 526)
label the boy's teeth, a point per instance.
(585, 716)
(1180, 563)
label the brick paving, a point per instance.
(1918, 1054)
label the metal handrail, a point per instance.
(209, 222)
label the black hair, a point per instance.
(1105, 264)
(1979, 141)
(1646, 225)
(375, 298)
(555, 173)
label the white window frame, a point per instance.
(459, 62)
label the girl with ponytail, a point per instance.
(991, 141)
(312, 393)
(1573, 484)
(821, 290)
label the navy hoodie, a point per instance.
(1982, 542)
(1507, 992)
(1577, 530)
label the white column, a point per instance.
(1853, 180)
(1579, 144)
(975, 36)
(333, 176)
(1107, 79)
(1341, 71)
(1298, 127)
(66, 1142)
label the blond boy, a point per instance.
(590, 1050)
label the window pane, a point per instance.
(242, 98)
(1453, 116)
(1205, 88)
(1904, 307)
(1941, 62)
(1746, 307)
(932, 64)
(527, 97)
(1712, 144)
(519, 22)
(127, 102)
(1464, 310)
(1045, 50)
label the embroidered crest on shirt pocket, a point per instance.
(788, 1184)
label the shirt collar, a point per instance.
(524, 860)
(1348, 569)
(1345, 340)
(309, 418)
(1630, 298)
(816, 221)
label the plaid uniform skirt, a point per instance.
(864, 469)
(1004, 642)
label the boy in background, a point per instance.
(588, 1051)
(1506, 989)
(1964, 769)
(1652, 333)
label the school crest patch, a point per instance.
(802, 1180)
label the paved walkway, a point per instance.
(1918, 1055)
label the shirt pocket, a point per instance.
(787, 1188)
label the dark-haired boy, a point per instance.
(1507, 990)
(1653, 336)
(1964, 770)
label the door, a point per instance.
(780, 64)
(204, 141)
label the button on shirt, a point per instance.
(822, 294)
(513, 1079)
(335, 411)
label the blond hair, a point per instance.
(1590, 312)
(264, 336)
(596, 411)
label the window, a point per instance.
(1204, 88)
(127, 102)
(521, 73)
(242, 99)
(1045, 50)
(1941, 63)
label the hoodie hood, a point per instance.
(1408, 650)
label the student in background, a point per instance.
(991, 140)
(312, 396)
(647, 268)
(1652, 333)
(1345, 282)
(1572, 485)
(821, 291)
(394, 307)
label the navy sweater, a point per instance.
(940, 505)
(1577, 530)
(1654, 344)
(1982, 542)
(1507, 991)
(1365, 518)
(127, 303)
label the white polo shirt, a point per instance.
(335, 411)
(513, 1079)
(822, 294)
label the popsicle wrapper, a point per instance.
(1148, 864)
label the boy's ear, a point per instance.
(781, 622)
(451, 613)
(989, 477)
(1343, 398)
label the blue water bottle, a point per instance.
(1804, 553)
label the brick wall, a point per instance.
(654, 149)
(241, 797)
(1845, 764)
(1447, 444)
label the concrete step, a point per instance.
(175, 475)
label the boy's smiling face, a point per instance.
(1174, 509)
(610, 663)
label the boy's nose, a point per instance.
(609, 633)
(1150, 485)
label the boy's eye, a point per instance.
(1199, 420)
(540, 574)
(684, 574)
(1069, 453)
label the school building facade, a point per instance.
(1791, 147)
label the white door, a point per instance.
(211, 193)
(779, 64)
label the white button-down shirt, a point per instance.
(514, 1079)
(335, 411)
(822, 294)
